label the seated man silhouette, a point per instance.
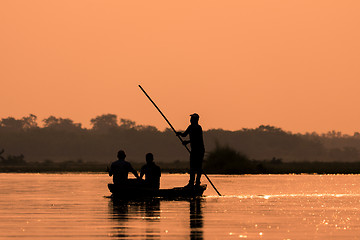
(151, 171)
(120, 169)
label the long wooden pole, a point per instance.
(176, 135)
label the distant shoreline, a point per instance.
(253, 167)
(69, 166)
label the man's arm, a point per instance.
(185, 142)
(110, 171)
(142, 173)
(183, 134)
(133, 171)
(159, 171)
(135, 174)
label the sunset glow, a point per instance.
(239, 64)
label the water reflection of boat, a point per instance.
(130, 215)
(130, 191)
(143, 219)
(121, 208)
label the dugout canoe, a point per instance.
(131, 192)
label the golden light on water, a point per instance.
(76, 206)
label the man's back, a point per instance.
(196, 137)
(120, 170)
(152, 174)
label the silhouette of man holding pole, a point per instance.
(197, 152)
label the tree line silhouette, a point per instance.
(61, 140)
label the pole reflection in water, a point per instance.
(136, 219)
(196, 219)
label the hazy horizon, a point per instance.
(291, 64)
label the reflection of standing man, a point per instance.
(196, 219)
(197, 152)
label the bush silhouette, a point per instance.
(224, 159)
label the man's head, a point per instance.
(149, 157)
(194, 118)
(121, 155)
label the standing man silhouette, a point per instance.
(197, 152)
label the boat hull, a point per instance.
(125, 192)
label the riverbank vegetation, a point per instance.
(224, 160)
(60, 143)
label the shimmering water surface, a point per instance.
(76, 206)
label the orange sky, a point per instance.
(292, 64)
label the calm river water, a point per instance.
(76, 206)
